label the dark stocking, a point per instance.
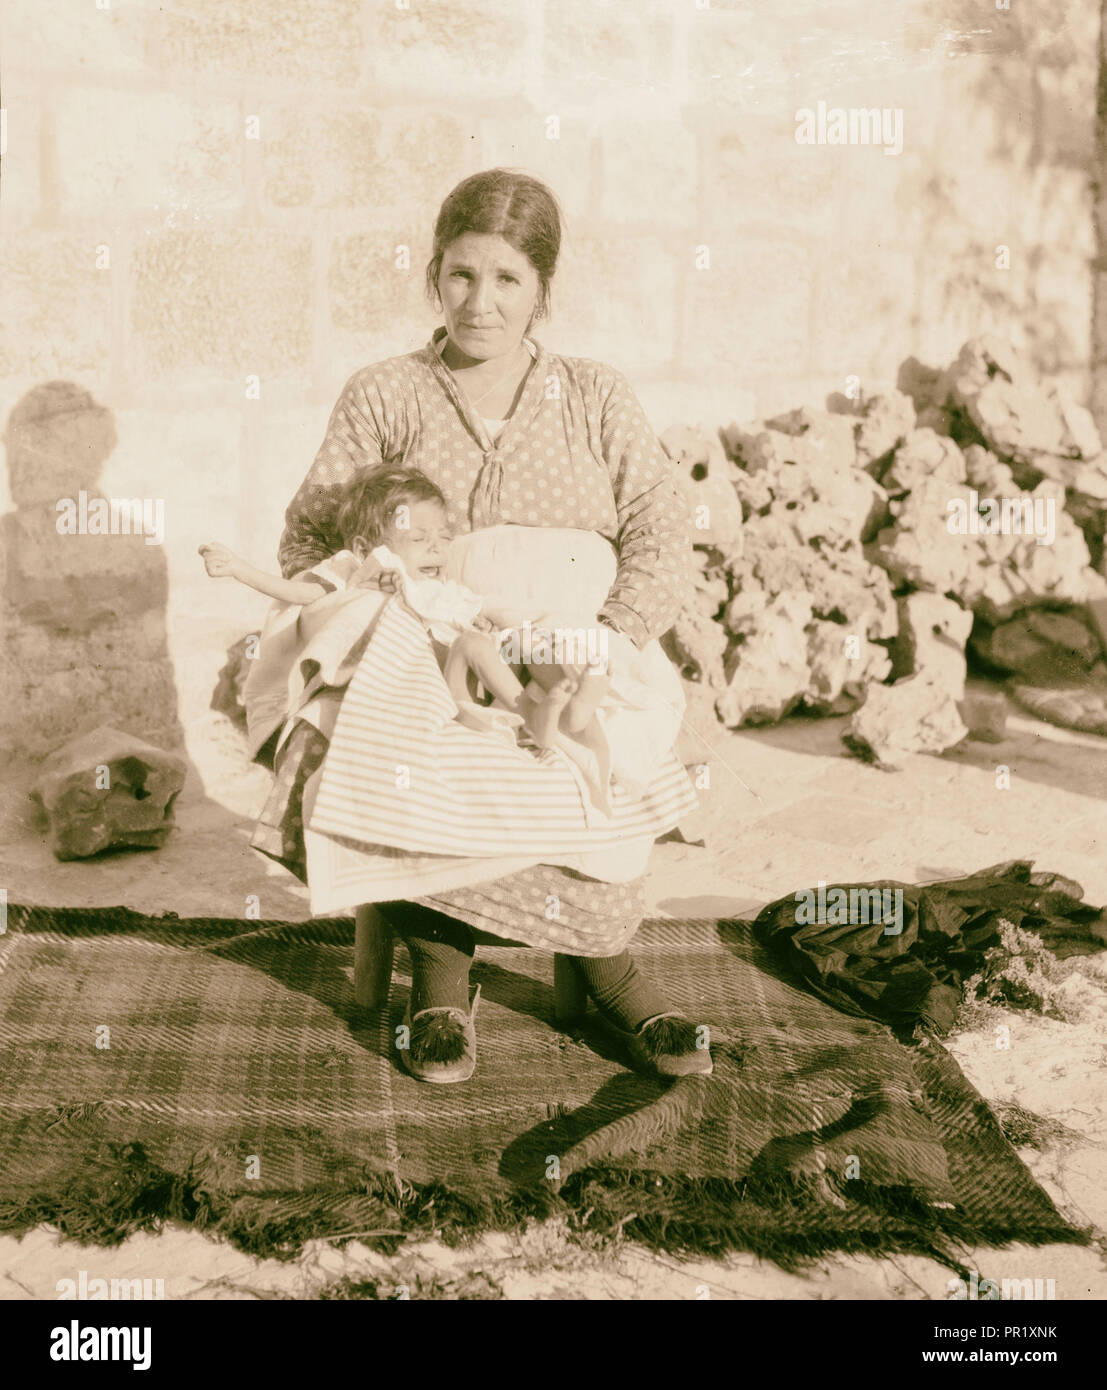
(441, 950)
(619, 990)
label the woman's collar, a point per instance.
(530, 402)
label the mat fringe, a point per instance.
(125, 1193)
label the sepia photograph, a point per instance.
(553, 665)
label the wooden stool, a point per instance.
(373, 944)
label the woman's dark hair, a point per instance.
(371, 497)
(500, 202)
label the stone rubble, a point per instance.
(922, 455)
(1024, 421)
(808, 477)
(874, 538)
(698, 640)
(847, 610)
(705, 478)
(772, 669)
(886, 422)
(996, 575)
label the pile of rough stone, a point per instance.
(843, 556)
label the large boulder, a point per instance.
(768, 670)
(933, 631)
(916, 715)
(108, 790)
(1042, 645)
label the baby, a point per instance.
(395, 533)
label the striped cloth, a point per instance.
(402, 772)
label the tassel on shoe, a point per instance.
(667, 1036)
(442, 1043)
(437, 1038)
(666, 1045)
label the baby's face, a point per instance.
(420, 536)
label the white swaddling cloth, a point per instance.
(446, 606)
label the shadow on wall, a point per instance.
(85, 594)
(1039, 88)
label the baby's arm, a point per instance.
(222, 563)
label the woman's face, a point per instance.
(489, 294)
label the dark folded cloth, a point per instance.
(911, 972)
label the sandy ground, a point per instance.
(784, 809)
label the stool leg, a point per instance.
(372, 957)
(570, 996)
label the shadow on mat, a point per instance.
(618, 1098)
(329, 984)
(617, 1102)
(309, 968)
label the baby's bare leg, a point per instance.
(586, 700)
(584, 694)
(545, 719)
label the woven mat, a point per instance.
(219, 1072)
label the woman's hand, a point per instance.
(604, 655)
(220, 562)
(576, 671)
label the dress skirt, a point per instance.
(541, 906)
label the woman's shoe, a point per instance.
(442, 1043)
(667, 1045)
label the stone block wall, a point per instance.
(201, 205)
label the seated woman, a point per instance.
(541, 600)
(512, 435)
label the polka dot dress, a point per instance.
(577, 452)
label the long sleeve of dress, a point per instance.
(354, 439)
(654, 540)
